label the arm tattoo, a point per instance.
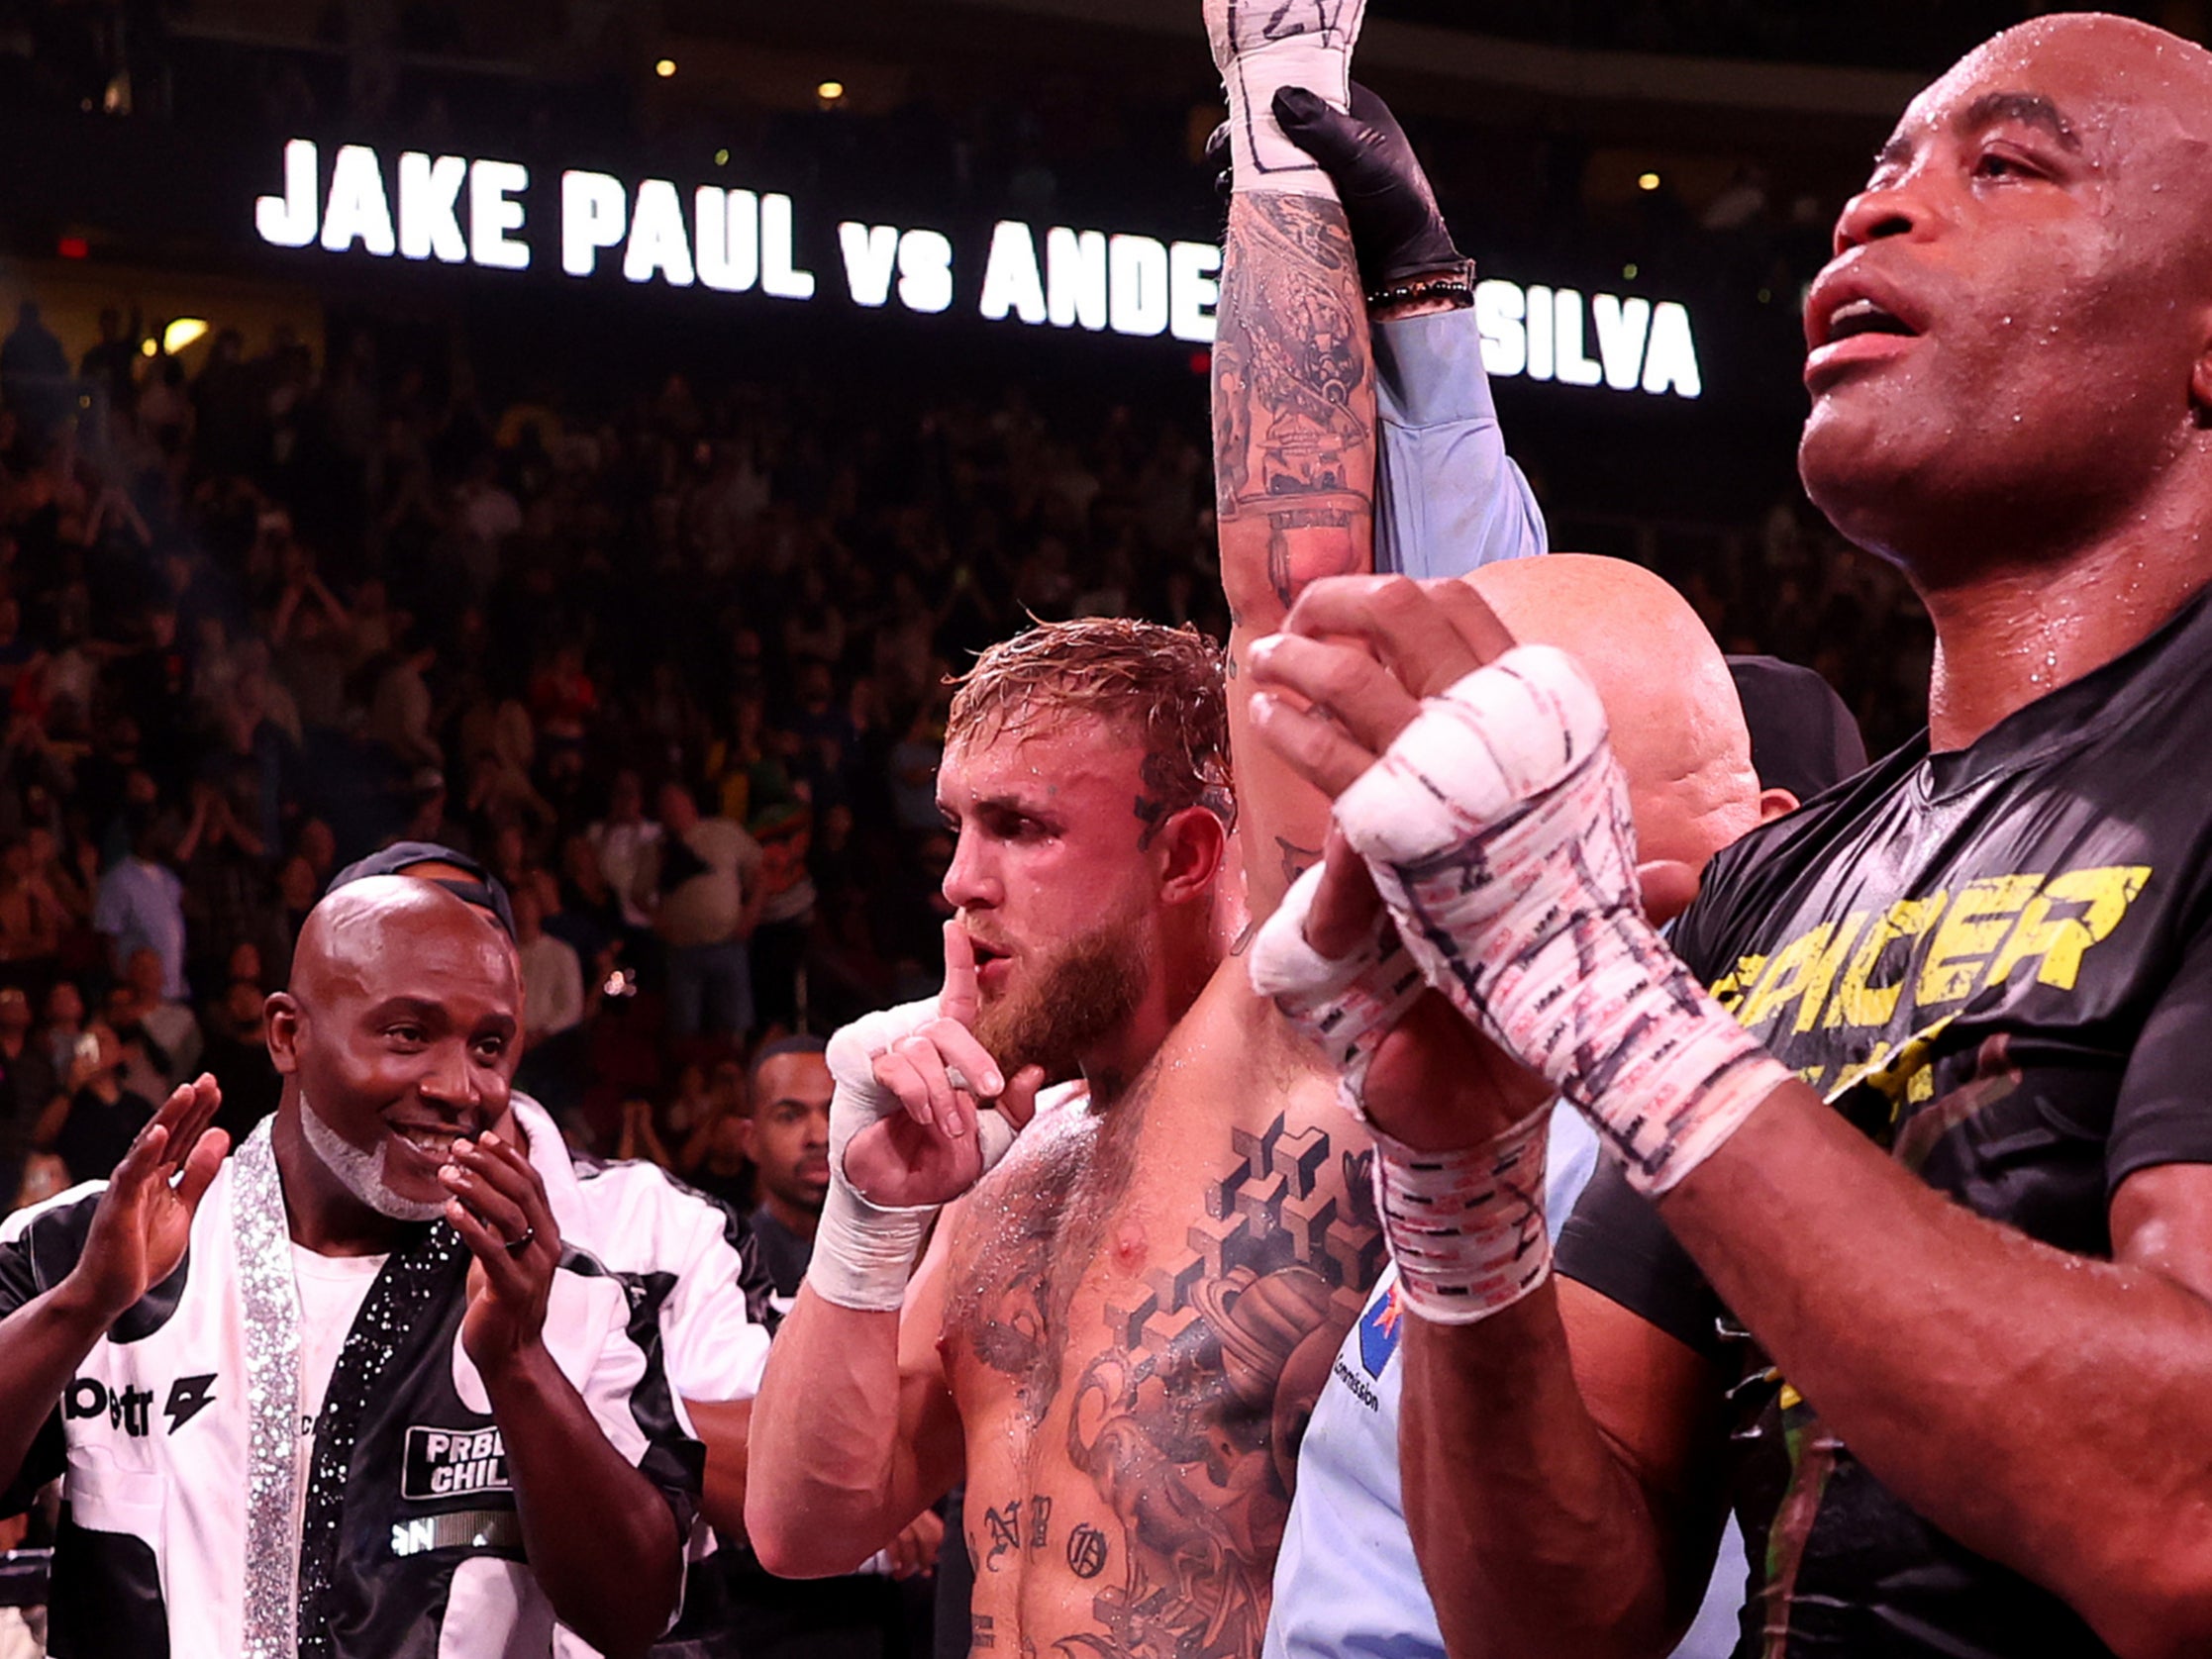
(1292, 378)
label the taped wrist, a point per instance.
(1261, 47)
(1347, 1005)
(1497, 829)
(1466, 1227)
(863, 1253)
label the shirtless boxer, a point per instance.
(1116, 1334)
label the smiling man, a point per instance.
(346, 1394)
(1907, 1243)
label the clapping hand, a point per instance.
(144, 1222)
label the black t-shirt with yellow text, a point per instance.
(1997, 964)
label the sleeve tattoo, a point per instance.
(1293, 436)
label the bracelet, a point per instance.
(1459, 290)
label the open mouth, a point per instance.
(1865, 316)
(432, 1142)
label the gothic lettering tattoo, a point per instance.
(1087, 1552)
(1039, 1520)
(1005, 1529)
(980, 1633)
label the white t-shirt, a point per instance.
(330, 1292)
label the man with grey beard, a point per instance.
(348, 1393)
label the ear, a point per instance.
(1190, 847)
(1667, 886)
(749, 1131)
(284, 1018)
(1773, 802)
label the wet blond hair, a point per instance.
(1163, 685)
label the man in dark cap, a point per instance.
(689, 1257)
(346, 1393)
(1803, 736)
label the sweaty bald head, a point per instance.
(1678, 727)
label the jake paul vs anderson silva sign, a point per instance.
(460, 211)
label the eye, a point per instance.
(1997, 164)
(491, 1047)
(406, 1033)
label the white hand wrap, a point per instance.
(1466, 1227)
(1497, 829)
(1347, 1006)
(863, 1253)
(1263, 46)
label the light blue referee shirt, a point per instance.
(1447, 499)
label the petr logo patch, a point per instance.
(444, 1462)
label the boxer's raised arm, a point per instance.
(1294, 461)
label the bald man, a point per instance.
(1905, 1240)
(1683, 743)
(345, 1393)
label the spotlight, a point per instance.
(183, 331)
(722, 157)
(665, 67)
(830, 91)
(1648, 181)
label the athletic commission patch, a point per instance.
(1378, 1331)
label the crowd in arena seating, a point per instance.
(674, 670)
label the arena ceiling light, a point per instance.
(183, 331)
(830, 91)
(1647, 182)
(665, 67)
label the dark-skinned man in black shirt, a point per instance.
(1912, 1257)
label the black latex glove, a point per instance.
(1395, 226)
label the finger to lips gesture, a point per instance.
(1356, 656)
(939, 1070)
(144, 1222)
(500, 1210)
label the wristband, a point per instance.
(1347, 1006)
(1468, 1228)
(863, 1252)
(1261, 47)
(1459, 290)
(1498, 833)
